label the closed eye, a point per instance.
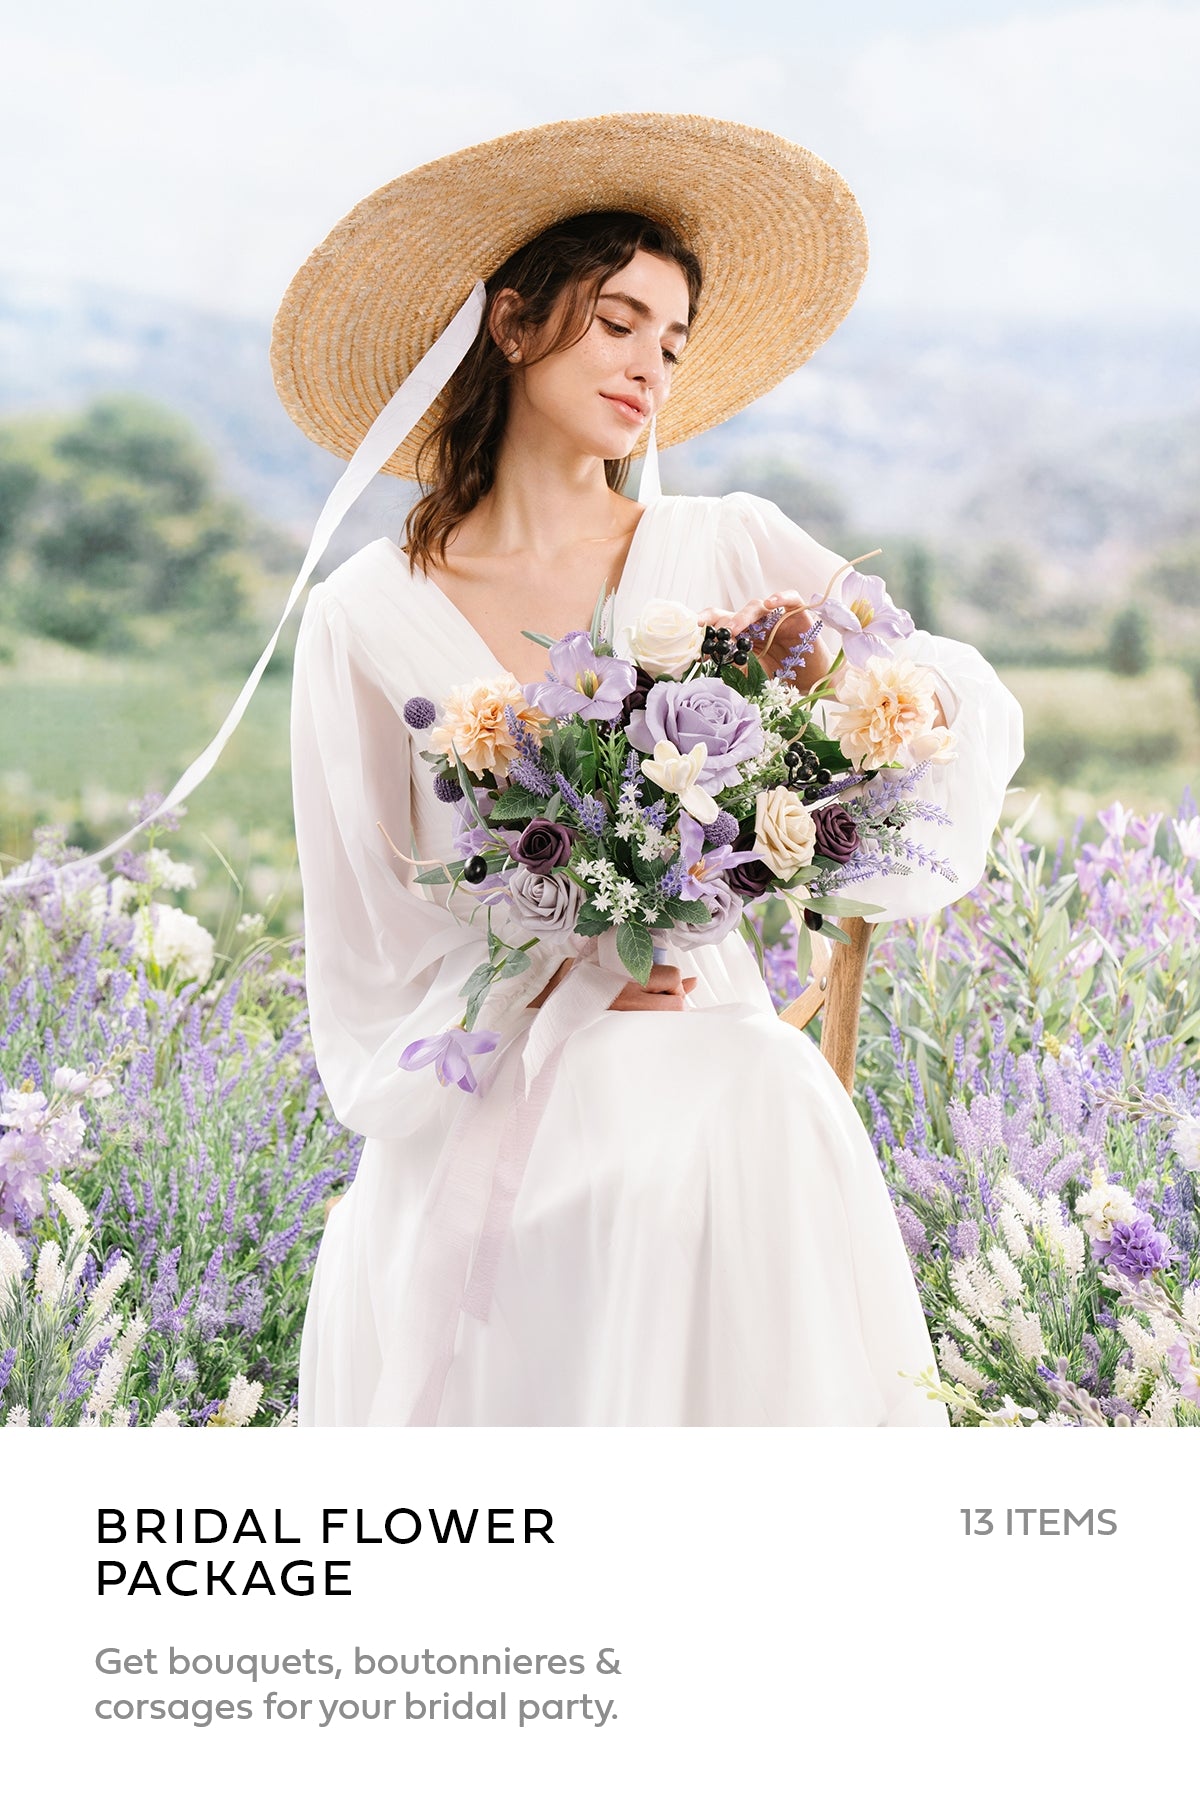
(619, 330)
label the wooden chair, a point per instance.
(836, 983)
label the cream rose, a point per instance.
(473, 724)
(887, 707)
(784, 833)
(665, 640)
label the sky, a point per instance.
(1013, 160)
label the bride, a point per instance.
(660, 1206)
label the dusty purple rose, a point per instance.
(837, 834)
(725, 908)
(545, 904)
(705, 711)
(543, 845)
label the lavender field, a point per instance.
(1029, 1070)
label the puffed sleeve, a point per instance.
(760, 551)
(384, 962)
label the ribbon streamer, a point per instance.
(386, 433)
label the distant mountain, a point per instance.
(1061, 436)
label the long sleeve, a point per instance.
(760, 551)
(385, 962)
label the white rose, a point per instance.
(666, 639)
(784, 833)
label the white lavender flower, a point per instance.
(69, 1205)
(168, 1416)
(1013, 1232)
(17, 1416)
(954, 1363)
(1025, 1330)
(240, 1404)
(48, 1281)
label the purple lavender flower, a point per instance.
(581, 681)
(450, 1052)
(705, 711)
(869, 621)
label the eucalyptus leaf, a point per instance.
(635, 947)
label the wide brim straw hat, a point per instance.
(780, 238)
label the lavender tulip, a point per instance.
(580, 680)
(450, 1052)
(870, 622)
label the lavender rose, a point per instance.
(837, 834)
(705, 711)
(726, 908)
(545, 904)
(543, 845)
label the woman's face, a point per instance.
(598, 393)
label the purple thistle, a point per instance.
(419, 712)
(447, 788)
(723, 829)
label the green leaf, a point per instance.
(841, 906)
(635, 947)
(515, 802)
(433, 878)
(756, 675)
(591, 923)
(539, 637)
(513, 964)
(687, 912)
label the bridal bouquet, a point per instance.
(653, 788)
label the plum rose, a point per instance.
(705, 711)
(543, 845)
(837, 834)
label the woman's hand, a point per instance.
(791, 628)
(664, 992)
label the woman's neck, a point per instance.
(544, 500)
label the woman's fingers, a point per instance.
(666, 991)
(751, 613)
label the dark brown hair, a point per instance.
(575, 256)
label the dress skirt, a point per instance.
(701, 1236)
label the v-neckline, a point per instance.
(448, 604)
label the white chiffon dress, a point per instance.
(701, 1234)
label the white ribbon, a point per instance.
(650, 486)
(387, 432)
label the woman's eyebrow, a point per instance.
(642, 310)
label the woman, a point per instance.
(661, 1207)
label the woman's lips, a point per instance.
(626, 408)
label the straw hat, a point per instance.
(779, 235)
